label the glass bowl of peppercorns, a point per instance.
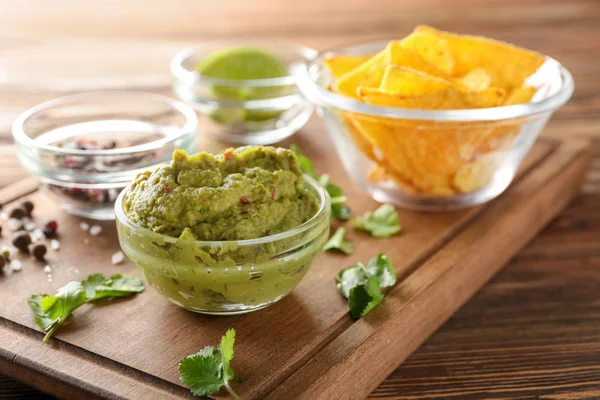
(86, 148)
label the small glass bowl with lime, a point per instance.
(246, 90)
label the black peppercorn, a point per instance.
(21, 240)
(2, 261)
(39, 251)
(18, 213)
(28, 206)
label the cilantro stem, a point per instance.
(233, 394)
(51, 331)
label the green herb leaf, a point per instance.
(338, 209)
(203, 371)
(364, 298)
(209, 370)
(380, 223)
(350, 277)
(362, 285)
(337, 242)
(227, 342)
(97, 286)
(306, 165)
(52, 311)
(381, 267)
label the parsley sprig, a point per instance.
(209, 370)
(52, 311)
(337, 242)
(362, 285)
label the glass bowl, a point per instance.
(86, 148)
(226, 277)
(254, 112)
(432, 159)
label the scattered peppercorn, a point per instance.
(50, 229)
(2, 261)
(39, 251)
(18, 213)
(21, 240)
(0, 230)
(28, 206)
(5, 252)
(244, 200)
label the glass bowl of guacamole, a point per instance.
(244, 90)
(224, 234)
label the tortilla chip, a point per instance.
(405, 57)
(380, 173)
(520, 95)
(477, 79)
(477, 174)
(445, 100)
(508, 65)
(367, 74)
(410, 82)
(431, 48)
(341, 65)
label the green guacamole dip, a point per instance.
(198, 211)
(246, 193)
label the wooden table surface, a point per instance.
(534, 330)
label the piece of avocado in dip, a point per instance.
(243, 193)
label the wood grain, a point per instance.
(543, 306)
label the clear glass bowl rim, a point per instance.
(319, 95)
(324, 206)
(191, 122)
(191, 77)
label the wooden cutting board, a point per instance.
(305, 346)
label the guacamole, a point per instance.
(246, 193)
(243, 193)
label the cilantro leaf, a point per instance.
(381, 267)
(207, 371)
(338, 209)
(380, 223)
(226, 346)
(362, 285)
(202, 372)
(306, 165)
(337, 242)
(364, 298)
(97, 286)
(351, 277)
(52, 311)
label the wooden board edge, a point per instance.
(354, 363)
(21, 352)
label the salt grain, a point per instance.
(95, 230)
(14, 224)
(84, 225)
(54, 244)
(15, 265)
(37, 235)
(49, 278)
(30, 226)
(47, 269)
(3, 216)
(118, 257)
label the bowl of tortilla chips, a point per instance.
(436, 120)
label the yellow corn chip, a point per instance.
(508, 65)
(380, 173)
(340, 65)
(367, 74)
(520, 95)
(410, 82)
(445, 100)
(477, 79)
(431, 48)
(475, 175)
(405, 57)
